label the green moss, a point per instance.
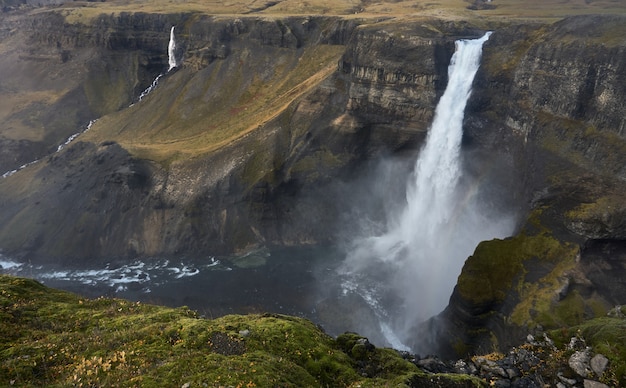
(54, 338)
(491, 272)
(606, 336)
(571, 309)
(527, 272)
(313, 164)
(599, 209)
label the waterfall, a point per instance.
(171, 50)
(171, 59)
(407, 274)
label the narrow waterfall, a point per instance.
(171, 50)
(171, 59)
(407, 274)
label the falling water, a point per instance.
(171, 50)
(171, 59)
(407, 274)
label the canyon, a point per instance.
(260, 135)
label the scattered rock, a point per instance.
(579, 362)
(549, 342)
(598, 364)
(466, 368)
(594, 384)
(565, 381)
(490, 367)
(528, 366)
(434, 365)
(576, 343)
(244, 333)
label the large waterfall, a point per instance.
(406, 274)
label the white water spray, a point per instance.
(171, 50)
(414, 264)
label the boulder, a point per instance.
(579, 362)
(598, 364)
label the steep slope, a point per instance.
(55, 338)
(58, 76)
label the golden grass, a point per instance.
(449, 9)
(201, 131)
(555, 9)
(14, 111)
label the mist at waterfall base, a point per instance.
(402, 270)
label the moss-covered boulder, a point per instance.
(564, 267)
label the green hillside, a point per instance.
(54, 338)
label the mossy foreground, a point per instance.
(54, 338)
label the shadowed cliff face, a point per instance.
(254, 141)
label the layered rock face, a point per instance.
(544, 100)
(259, 183)
(248, 142)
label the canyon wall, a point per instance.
(252, 140)
(251, 188)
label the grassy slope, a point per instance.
(200, 121)
(445, 8)
(54, 338)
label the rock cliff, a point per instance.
(248, 141)
(542, 99)
(248, 136)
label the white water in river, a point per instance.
(407, 274)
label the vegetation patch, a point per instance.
(55, 338)
(497, 267)
(606, 336)
(534, 274)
